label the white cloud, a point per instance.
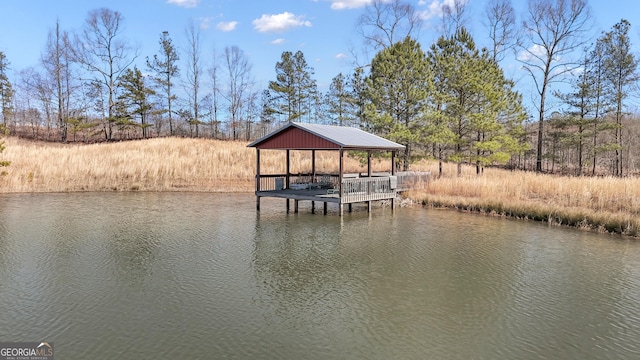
(279, 22)
(434, 9)
(184, 3)
(205, 22)
(349, 4)
(341, 56)
(535, 51)
(227, 26)
(278, 41)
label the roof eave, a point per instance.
(257, 142)
(381, 148)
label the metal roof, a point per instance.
(340, 136)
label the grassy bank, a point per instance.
(174, 164)
(162, 164)
(603, 204)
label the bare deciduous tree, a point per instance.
(194, 74)
(57, 64)
(37, 93)
(238, 87)
(101, 50)
(454, 17)
(554, 29)
(214, 104)
(387, 22)
(501, 25)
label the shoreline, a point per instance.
(603, 205)
(623, 226)
(610, 224)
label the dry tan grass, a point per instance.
(175, 164)
(162, 164)
(606, 204)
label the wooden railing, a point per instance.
(270, 182)
(278, 181)
(368, 188)
(354, 188)
(413, 180)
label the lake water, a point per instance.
(205, 276)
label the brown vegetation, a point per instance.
(160, 164)
(605, 204)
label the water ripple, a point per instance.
(183, 276)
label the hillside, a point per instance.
(604, 204)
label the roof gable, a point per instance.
(315, 136)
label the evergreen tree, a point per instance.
(339, 101)
(620, 72)
(306, 87)
(358, 98)
(293, 87)
(165, 69)
(134, 99)
(399, 87)
(601, 105)
(476, 102)
(6, 91)
(583, 101)
(3, 131)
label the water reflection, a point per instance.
(205, 275)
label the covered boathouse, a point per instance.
(337, 188)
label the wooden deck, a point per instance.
(326, 188)
(302, 194)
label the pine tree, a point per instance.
(475, 102)
(6, 91)
(601, 105)
(620, 72)
(165, 68)
(293, 87)
(339, 101)
(398, 88)
(134, 99)
(358, 98)
(3, 131)
(577, 126)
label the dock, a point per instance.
(341, 188)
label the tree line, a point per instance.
(450, 101)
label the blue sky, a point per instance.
(324, 30)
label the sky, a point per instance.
(324, 30)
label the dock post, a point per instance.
(288, 206)
(313, 207)
(325, 208)
(257, 179)
(295, 206)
